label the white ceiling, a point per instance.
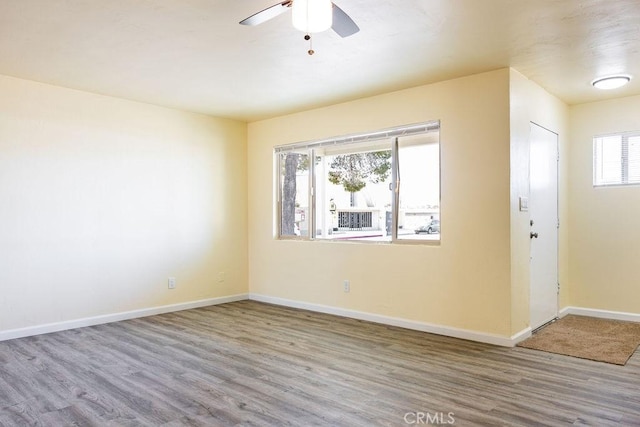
(193, 54)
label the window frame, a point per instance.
(392, 135)
(624, 159)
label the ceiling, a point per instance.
(193, 54)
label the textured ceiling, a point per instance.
(193, 55)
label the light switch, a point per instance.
(524, 204)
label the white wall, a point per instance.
(462, 283)
(604, 222)
(103, 199)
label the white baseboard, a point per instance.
(376, 318)
(115, 317)
(396, 321)
(521, 336)
(603, 314)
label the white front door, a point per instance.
(543, 210)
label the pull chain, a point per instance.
(308, 38)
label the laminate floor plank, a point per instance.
(255, 364)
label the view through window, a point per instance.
(383, 186)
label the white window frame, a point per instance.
(624, 159)
(392, 135)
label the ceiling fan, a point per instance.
(309, 16)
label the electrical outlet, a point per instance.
(346, 285)
(221, 277)
(172, 282)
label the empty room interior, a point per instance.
(227, 213)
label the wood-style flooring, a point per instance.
(255, 364)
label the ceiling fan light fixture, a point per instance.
(611, 82)
(312, 16)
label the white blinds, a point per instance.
(363, 137)
(616, 159)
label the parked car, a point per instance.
(432, 227)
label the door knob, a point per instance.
(533, 235)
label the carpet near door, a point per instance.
(603, 340)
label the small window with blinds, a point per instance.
(616, 159)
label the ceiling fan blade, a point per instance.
(342, 24)
(268, 13)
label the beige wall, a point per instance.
(103, 199)
(462, 283)
(604, 222)
(530, 103)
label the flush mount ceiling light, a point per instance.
(611, 82)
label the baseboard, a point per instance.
(603, 314)
(521, 336)
(376, 318)
(395, 321)
(115, 317)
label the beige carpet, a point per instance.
(610, 341)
